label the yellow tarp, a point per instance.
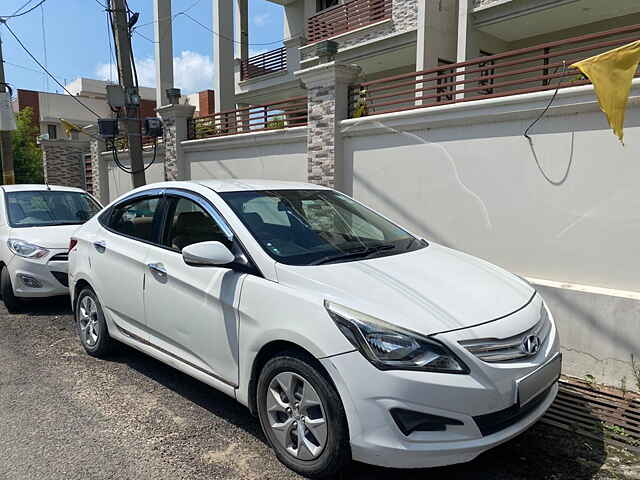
(611, 74)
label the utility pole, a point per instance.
(132, 98)
(6, 148)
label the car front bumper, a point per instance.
(369, 395)
(40, 277)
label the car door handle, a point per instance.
(158, 270)
(100, 246)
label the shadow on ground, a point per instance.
(541, 452)
(36, 307)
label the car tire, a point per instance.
(13, 303)
(323, 451)
(91, 325)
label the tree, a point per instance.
(27, 156)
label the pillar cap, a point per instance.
(328, 74)
(178, 110)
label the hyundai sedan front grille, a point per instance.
(522, 345)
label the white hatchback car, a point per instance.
(36, 223)
(347, 335)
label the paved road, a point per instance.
(65, 415)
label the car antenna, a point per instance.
(48, 187)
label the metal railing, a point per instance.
(526, 70)
(264, 64)
(273, 116)
(345, 17)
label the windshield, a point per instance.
(49, 207)
(312, 227)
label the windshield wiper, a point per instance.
(360, 253)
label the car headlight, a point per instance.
(26, 249)
(389, 347)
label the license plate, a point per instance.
(539, 380)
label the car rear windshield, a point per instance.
(49, 207)
(312, 227)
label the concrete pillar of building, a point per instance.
(99, 170)
(223, 53)
(293, 53)
(467, 43)
(241, 28)
(175, 119)
(63, 162)
(327, 89)
(163, 36)
(437, 33)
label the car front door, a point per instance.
(191, 311)
(117, 255)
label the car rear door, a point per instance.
(191, 311)
(117, 255)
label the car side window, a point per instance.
(136, 218)
(189, 223)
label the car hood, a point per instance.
(55, 236)
(431, 290)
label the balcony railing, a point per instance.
(346, 17)
(257, 118)
(526, 70)
(264, 64)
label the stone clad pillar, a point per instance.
(99, 170)
(327, 89)
(175, 119)
(63, 162)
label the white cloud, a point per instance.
(192, 72)
(261, 19)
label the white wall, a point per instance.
(275, 155)
(564, 211)
(465, 176)
(120, 182)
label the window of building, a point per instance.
(52, 130)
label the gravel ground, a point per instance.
(65, 415)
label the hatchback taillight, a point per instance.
(72, 243)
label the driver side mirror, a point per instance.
(207, 254)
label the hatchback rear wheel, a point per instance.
(302, 416)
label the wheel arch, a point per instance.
(269, 351)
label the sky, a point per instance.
(71, 38)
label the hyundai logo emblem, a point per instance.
(530, 344)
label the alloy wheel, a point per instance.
(89, 327)
(296, 416)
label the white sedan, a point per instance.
(36, 223)
(348, 336)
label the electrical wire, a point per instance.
(24, 68)
(251, 44)
(23, 6)
(47, 71)
(23, 13)
(172, 17)
(553, 97)
(121, 166)
(44, 46)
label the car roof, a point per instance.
(238, 185)
(36, 188)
